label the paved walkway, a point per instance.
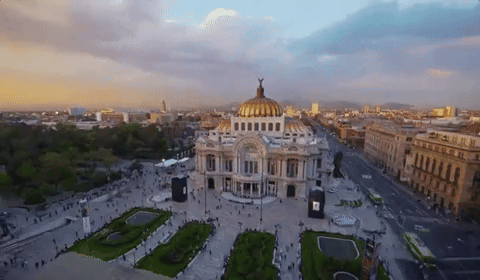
(231, 197)
(232, 219)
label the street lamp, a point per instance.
(205, 189)
(240, 224)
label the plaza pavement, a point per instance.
(288, 213)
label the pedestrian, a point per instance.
(5, 263)
(36, 265)
(54, 242)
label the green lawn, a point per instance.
(252, 257)
(99, 246)
(318, 265)
(171, 258)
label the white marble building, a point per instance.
(260, 144)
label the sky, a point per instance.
(136, 53)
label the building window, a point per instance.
(249, 126)
(270, 126)
(434, 164)
(251, 167)
(407, 151)
(256, 126)
(447, 173)
(264, 126)
(277, 126)
(292, 168)
(319, 163)
(421, 162)
(416, 160)
(271, 167)
(456, 176)
(236, 126)
(427, 164)
(243, 126)
(228, 165)
(210, 163)
(440, 169)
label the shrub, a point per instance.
(33, 196)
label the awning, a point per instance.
(184, 159)
(166, 163)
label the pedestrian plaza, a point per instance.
(285, 217)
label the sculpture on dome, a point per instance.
(260, 80)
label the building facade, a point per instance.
(315, 108)
(388, 145)
(446, 168)
(261, 152)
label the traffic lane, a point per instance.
(444, 240)
(378, 183)
(387, 189)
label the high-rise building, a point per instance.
(366, 109)
(314, 108)
(449, 112)
(164, 106)
(378, 109)
(446, 168)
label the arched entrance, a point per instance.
(211, 183)
(291, 191)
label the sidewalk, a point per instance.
(230, 197)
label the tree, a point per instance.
(55, 168)
(108, 159)
(5, 182)
(26, 171)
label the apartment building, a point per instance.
(388, 145)
(446, 168)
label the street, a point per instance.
(404, 213)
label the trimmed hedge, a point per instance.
(318, 265)
(252, 256)
(97, 245)
(171, 258)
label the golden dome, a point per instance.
(260, 106)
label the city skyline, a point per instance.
(137, 53)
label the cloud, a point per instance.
(216, 15)
(371, 50)
(438, 73)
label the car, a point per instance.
(367, 177)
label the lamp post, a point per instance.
(205, 189)
(133, 258)
(261, 196)
(240, 224)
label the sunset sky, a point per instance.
(135, 53)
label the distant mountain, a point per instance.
(396, 106)
(340, 105)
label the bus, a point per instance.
(374, 197)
